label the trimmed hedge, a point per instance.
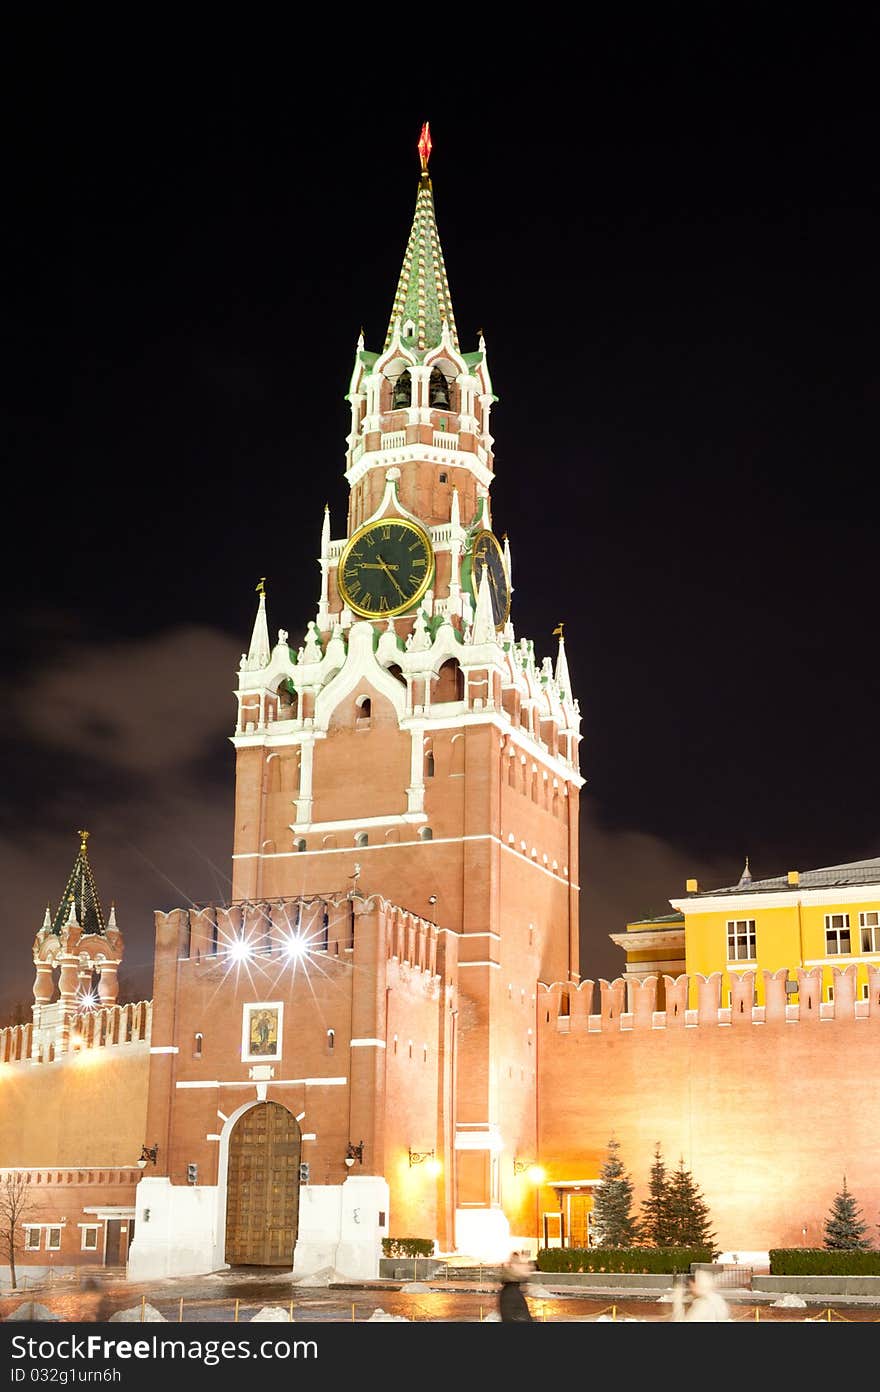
(665, 1259)
(408, 1246)
(820, 1261)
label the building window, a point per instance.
(869, 924)
(837, 939)
(198, 1041)
(32, 1239)
(741, 940)
(362, 839)
(443, 478)
(331, 1039)
(426, 834)
(300, 844)
(429, 761)
(53, 1239)
(90, 1239)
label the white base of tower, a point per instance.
(339, 1227)
(174, 1232)
(483, 1233)
(181, 1231)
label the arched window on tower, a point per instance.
(429, 759)
(362, 839)
(402, 392)
(438, 390)
(364, 709)
(450, 683)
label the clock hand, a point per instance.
(391, 577)
(377, 565)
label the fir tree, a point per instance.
(689, 1223)
(612, 1221)
(656, 1227)
(844, 1229)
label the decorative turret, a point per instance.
(77, 942)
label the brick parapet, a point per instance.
(629, 1004)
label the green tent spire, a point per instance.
(423, 296)
(81, 889)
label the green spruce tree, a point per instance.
(690, 1224)
(613, 1224)
(656, 1228)
(844, 1229)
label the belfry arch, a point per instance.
(262, 1187)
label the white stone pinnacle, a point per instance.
(563, 680)
(484, 620)
(259, 651)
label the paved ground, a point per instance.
(240, 1293)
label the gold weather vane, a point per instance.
(425, 147)
(557, 632)
(83, 838)
(261, 586)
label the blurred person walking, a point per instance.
(512, 1304)
(699, 1300)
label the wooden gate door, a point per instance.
(262, 1187)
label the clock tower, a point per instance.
(412, 746)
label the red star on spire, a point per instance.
(425, 146)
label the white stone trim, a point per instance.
(367, 1043)
(395, 845)
(212, 1136)
(164, 1049)
(484, 933)
(484, 963)
(784, 898)
(521, 738)
(488, 1137)
(276, 1082)
(419, 453)
(350, 824)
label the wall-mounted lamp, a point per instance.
(417, 1156)
(354, 1152)
(148, 1153)
(533, 1172)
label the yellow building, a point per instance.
(815, 918)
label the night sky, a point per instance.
(670, 243)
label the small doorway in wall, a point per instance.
(120, 1231)
(554, 1230)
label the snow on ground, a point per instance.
(136, 1313)
(32, 1310)
(272, 1312)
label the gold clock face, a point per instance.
(488, 556)
(385, 568)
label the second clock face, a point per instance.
(488, 556)
(386, 567)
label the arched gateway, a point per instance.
(262, 1187)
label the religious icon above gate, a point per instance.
(261, 1031)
